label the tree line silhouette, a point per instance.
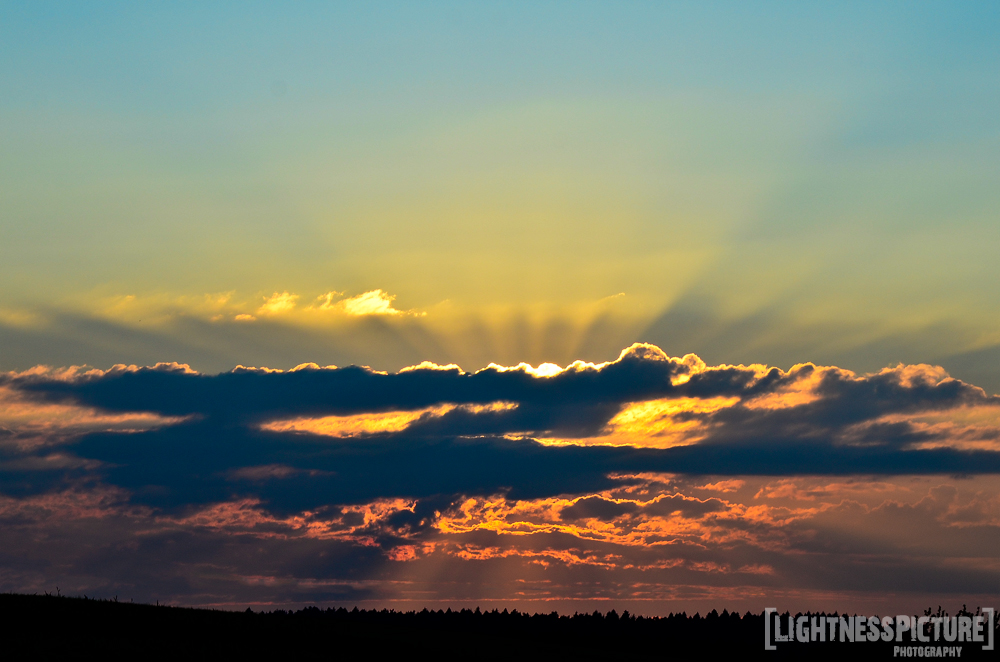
(59, 625)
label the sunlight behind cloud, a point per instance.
(375, 302)
(361, 425)
(278, 303)
(432, 228)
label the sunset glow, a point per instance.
(557, 306)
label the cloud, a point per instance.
(375, 302)
(354, 434)
(601, 508)
(655, 553)
(161, 310)
(722, 486)
(640, 399)
(360, 425)
(508, 469)
(27, 423)
(327, 301)
(278, 303)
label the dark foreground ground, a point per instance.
(50, 627)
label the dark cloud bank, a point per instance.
(220, 451)
(212, 507)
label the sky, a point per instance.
(657, 306)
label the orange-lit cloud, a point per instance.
(810, 490)
(31, 422)
(966, 428)
(665, 519)
(723, 486)
(654, 424)
(654, 549)
(377, 423)
(361, 524)
(663, 475)
(655, 402)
